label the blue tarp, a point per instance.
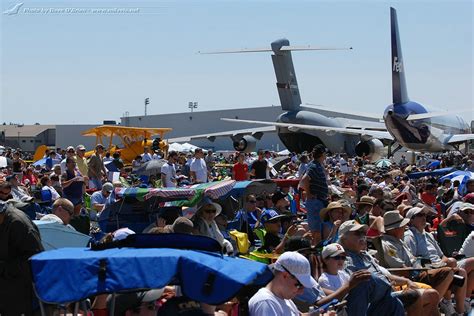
(72, 274)
(434, 173)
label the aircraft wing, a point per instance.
(459, 138)
(212, 136)
(344, 130)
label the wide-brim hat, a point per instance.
(393, 219)
(207, 201)
(334, 205)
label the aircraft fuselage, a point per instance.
(429, 134)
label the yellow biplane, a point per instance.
(133, 139)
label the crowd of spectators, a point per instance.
(372, 237)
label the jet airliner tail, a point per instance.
(399, 88)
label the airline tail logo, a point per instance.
(397, 65)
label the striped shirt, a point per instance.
(318, 185)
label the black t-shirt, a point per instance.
(260, 167)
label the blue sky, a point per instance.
(84, 68)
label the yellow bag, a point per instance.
(241, 239)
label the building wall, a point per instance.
(70, 135)
(187, 124)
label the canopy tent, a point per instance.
(176, 147)
(434, 164)
(72, 274)
(42, 162)
(284, 152)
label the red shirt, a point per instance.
(240, 171)
(428, 198)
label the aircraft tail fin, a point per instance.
(399, 88)
(287, 84)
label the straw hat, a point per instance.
(367, 200)
(332, 206)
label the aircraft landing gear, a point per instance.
(390, 152)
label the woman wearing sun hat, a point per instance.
(205, 224)
(332, 217)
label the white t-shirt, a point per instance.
(265, 303)
(333, 282)
(467, 248)
(170, 172)
(199, 167)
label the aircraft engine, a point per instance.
(371, 149)
(245, 144)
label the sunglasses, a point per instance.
(253, 201)
(469, 212)
(420, 215)
(209, 211)
(343, 258)
(298, 284)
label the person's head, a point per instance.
(57, 169)
(80, 150)
(240, 158)
(376, 192)
(64, 209)
(99, 149)
(319, 152)
(182, 225)
(208, 210)
(467, 213)
(470, 186)
(333, 256)
(250, 203)
(268, 154)
(172, 156)
(365, 204)
(70, 163)
(107, 188)
(280, 200)
(395, 224)
(70, 151)
(45, 181)
(292, 274)
(417, 217)
(198, 153)
(447, 183)
(387, 178)
(13, 180)
(352, 236)
(5, 191)
(116, 155)
(146, 150)
(261, 154)
(271, 220)
(335, 211)
(52, 154)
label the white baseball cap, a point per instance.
(332, 250)
(351, 226)
(298, 266)
(122, 233)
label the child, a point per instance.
(333, 276)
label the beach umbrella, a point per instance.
(459, 175)
(383, 163)
(434, 164)
(73, 274)
(55, 235)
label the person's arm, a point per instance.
(304, 184)
(281, 246)
(356, 278)
(66, 183)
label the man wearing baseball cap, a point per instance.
(292, 274)
(379, 299)
(100, 199)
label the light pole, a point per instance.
(19, 139)
(192, 106)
